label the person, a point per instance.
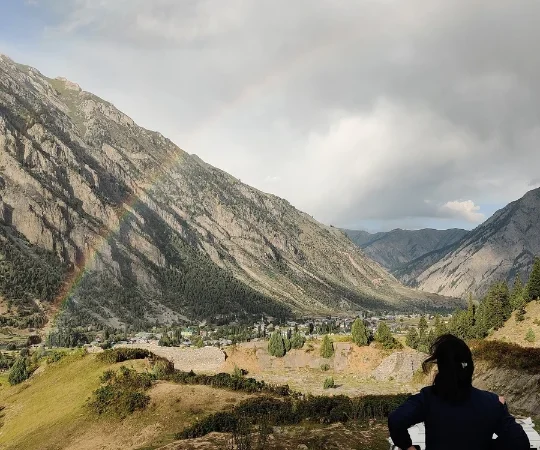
(455, 414)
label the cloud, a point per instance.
(357, 112)
(465, 209)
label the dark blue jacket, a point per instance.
(466, 426)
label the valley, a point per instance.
(149, 300)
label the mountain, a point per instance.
(395, 248)
(498, 249)
(115, 224)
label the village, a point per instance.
(204, 334)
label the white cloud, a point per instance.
(463, 209)
(356, 112)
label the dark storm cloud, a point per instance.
(355, 111)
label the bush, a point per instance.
(328, 409)
(117, 355)
(287, 344)
(161, 367)
(530, 336)
(122, 393)
(329, 383)
(325, 367)
(509, 356)
(297, 341)
(19, 372)
(327, 348)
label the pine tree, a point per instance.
(533, 286)
(412, 339)
(384, 336)
(422, 326)
(359, 333)
(440, 326)
(431, 337)
(516, 297)
(327, 348)
(276, 346)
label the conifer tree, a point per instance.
(422, 326)
(440, 326)
(276, 346)
(533, 286)
(431, 337)
(516, 297)
(359, 332)
(327, 348)
(384, 336)
(412, 339)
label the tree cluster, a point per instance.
(383, 335)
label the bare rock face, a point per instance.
(498, 249)
(399, 366)
(158, 233)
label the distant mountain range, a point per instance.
(117, 225)
(395, 248)
(456, 262)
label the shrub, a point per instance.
(325, 367)
(237, 372)
(19, 371)
(272, 411)
(530, 336)
(329, 383)
(161, 367)
(509, 356)
(297, 341)
(276, 345)
(117, 355)
(287, 344)
(327, 348)
(122, 393)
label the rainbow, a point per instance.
(248, 93)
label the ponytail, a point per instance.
(453, 357)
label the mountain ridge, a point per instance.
(77, 177)
(498, 249)
(395, 248)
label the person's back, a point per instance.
(456, 415)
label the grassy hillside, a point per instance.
(515, 331)
(49, 411)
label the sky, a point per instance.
(367, 114)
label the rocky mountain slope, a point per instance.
(395, 248)
(498, 249)
(145, 232)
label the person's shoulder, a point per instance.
(426, 391)
(485, 395)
